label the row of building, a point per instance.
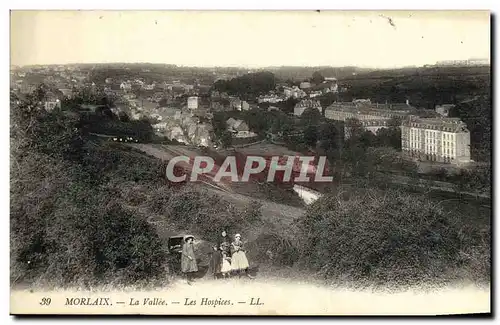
(442, 139)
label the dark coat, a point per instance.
(216, 262)
(187, 264)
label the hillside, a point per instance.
(89, 213)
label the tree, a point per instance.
(123, 116)
(311, 136)
(252, 84)
(226, 139)
(389, 137)
(288, 105)
(163, 102)
(310, 117)
(317, 77)
(476, 113)
(354, 128)
(330, 138)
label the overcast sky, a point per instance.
(251, 39)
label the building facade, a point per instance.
(192, 102)
(305, 104)
(369, 125)
(344, 111)
(436, 139)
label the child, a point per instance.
(226, 265)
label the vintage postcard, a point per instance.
(250, 162)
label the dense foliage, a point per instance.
(248, 85)
(66, 224)
(391, 237)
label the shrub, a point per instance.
(273, 248)
(388, 237)
(198, 211)
(75, 233)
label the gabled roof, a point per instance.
(231, 121)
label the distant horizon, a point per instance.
(244, 67)
(249, 39)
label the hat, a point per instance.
(237, 235)
(187, 237)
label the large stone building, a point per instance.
(371, 112)
(436, 139)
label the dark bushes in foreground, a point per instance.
(71, 232)
(388, 237)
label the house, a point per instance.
(235, 104)
(176, 133)
(51, 102)
(192, 102)
(239, 128)
(270, 99)
(51, 105)
(294, 92)
(168, 112)
(125, 86)
(203, 135)
(316, 93)
(67, 92)
(148, 87)
(91, 108)
(305, 85)
(305, 104)
(245, 106)
(160, 127)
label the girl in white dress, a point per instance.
(226, 265)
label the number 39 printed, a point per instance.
(45, 301)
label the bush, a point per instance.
(71, 232)
(65, 226)
(197, 211)
(388, 237)
(273, 248)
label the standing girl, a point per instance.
(239, 262)
(188, 259)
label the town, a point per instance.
(255, 112)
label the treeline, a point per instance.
(477, 114)
(421, 91)
(247, 86)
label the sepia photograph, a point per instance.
(259, 163)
